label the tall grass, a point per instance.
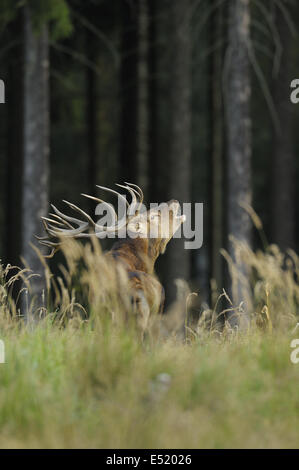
(80, 377)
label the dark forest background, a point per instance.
(190, 99)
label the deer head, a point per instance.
(156, 226)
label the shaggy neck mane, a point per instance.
(138, 253)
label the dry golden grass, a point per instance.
(79, 377)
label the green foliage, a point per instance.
(54, 12)
(8, 11)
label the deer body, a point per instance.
(147, 293)
(148, 233)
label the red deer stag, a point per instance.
(146, 236)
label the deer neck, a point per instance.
(139, 253)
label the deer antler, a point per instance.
(61, 225)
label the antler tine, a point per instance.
(60, 231)
(52, 221)
(75, 233)
(68, 232)
(76, 208)
(49, 227)
(49, 244)
(81, 225)
(67, 217)
(93, 198)
(56, 231)
(139, 190)
(140, 197)
(103, 228)
(65, 222)
(132, 192)
(120, 224)
(40, 238)
(53, 251)
(45, 225)
(114, 192)
(46, 242)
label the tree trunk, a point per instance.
(217, 150)
(159, 98)
(36, 145)
(283, 164)
(153, 101)
(238, 122)
(143, 91)
(91, 118)
(129, 91)
(13, 191)
(179, 186)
